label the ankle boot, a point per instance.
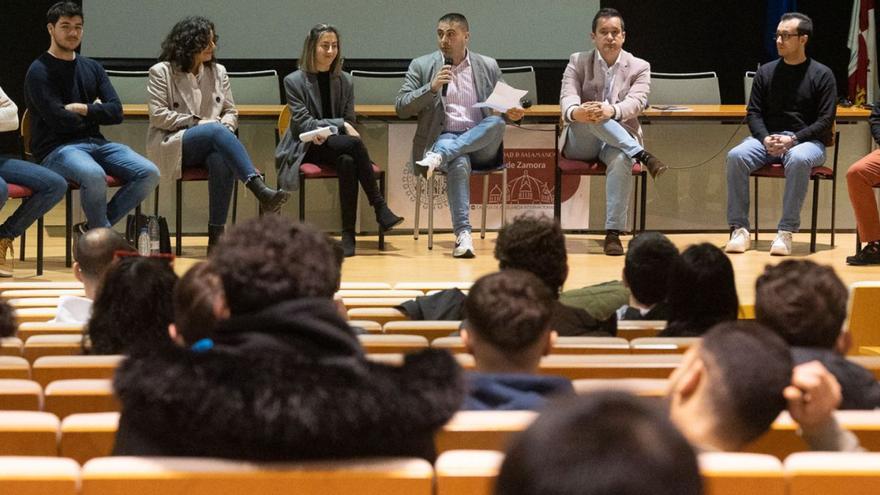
(386, 218)
(270, 199)
(348, 243)
(214, 234)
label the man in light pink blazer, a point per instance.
(603, 93)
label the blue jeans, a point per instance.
(88, 161)
(612, 144)
(477, 148)
(750, 155)
(216, 147)
(47, 186)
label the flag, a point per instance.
(862, 53)
(775, 9)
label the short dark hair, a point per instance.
(597, 444)
(805, 303)
(455, 17)
(509, 309)
(748, 367)
(195, 296)
(8, 320)
(271, 259)
(648, 261)
(133, 308)
(536, 244)
(63, 9)
(94, 251)
(702, 290)
(805, 24)
(186, 39)
(608, 12)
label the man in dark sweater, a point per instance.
(805, 303)
(790, 114)
(69, 97)
(507, 329)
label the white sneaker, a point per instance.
(739, 242)
(431, 161)
(782, 245)
(464, 246)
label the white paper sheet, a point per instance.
(503, 98)
(307, 137)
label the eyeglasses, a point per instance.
(786, 36)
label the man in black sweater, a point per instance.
(790, 115)
(68, 97)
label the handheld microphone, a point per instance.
(446, 61)
(525, 103)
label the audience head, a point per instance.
(93, 253)
(133, 307)
(64, 21)
(453, 34)
(8, 321)
(702, 291)
(506, 321)
(599, 444)
(729, 387)
(803, 302)
(322, 49)
(649, 260)
(199, 303)
(536, 244)
(268, 260)
(190, 43)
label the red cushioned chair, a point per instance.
(817, 174)
(20, 192)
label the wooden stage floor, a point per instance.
(409, 260)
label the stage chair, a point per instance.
(748, 80)
(51, 368)
(28, 433)
(428, 329)
(654, 388)
(151, 475)
(467, 472)
(395, 344)
(66, 397)
(727, 473)
(27, 330)
(482, 430)
(832, 473)
(87, 436)
(376, 88)
(662, 345)
(130, 85)
(52, 345)
(38, 476)
(379, 315)
(817, 174)
(20, 395)
(864, 313)
(308, 171)
(259, 87)
(522, 77)
(694, 88)
(430, 286)
(14, 367)
(10, 346)
(634, 329)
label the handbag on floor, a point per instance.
(135, 223)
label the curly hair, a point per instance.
(186, 39)
(272, 259)
(133, 307)
(535, 244)
(803, 302)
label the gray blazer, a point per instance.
(415, 97)
(304, 102)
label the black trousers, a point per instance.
(352, 162)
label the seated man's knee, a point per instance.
(92, 177)
(56, 186)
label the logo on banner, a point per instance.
(530, 179)
(412, 181)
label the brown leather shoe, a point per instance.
(613, 247)
(652, 163)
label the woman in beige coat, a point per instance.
(193, 121)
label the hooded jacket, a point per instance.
(512, 391)
(288, 382)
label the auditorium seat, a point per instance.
(28, 433)
(167, 475)
(482, 430)
(20, 395)
(430, 329)
(864, 313)
(398, 344)
(10, 346)
(871, 363)
(379, 315)
(564, 345)
(4, 286)
(783, 440)
(833, 473)
(29, 329)
(635, 329)
(373, 302)
(367, 325)
(14, 367)
(662, 345)
(33, 302)
(643, 387)
(364, 286)
(374, 293)
(429, 286)
(87, 436)
(51, 368)
(610, 366)
(21, 475)
(28, 293)
(24, 315)
(65, 397)
(467, 472)
(742, 474)
(52, 345)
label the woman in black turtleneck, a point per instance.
(319, 94)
